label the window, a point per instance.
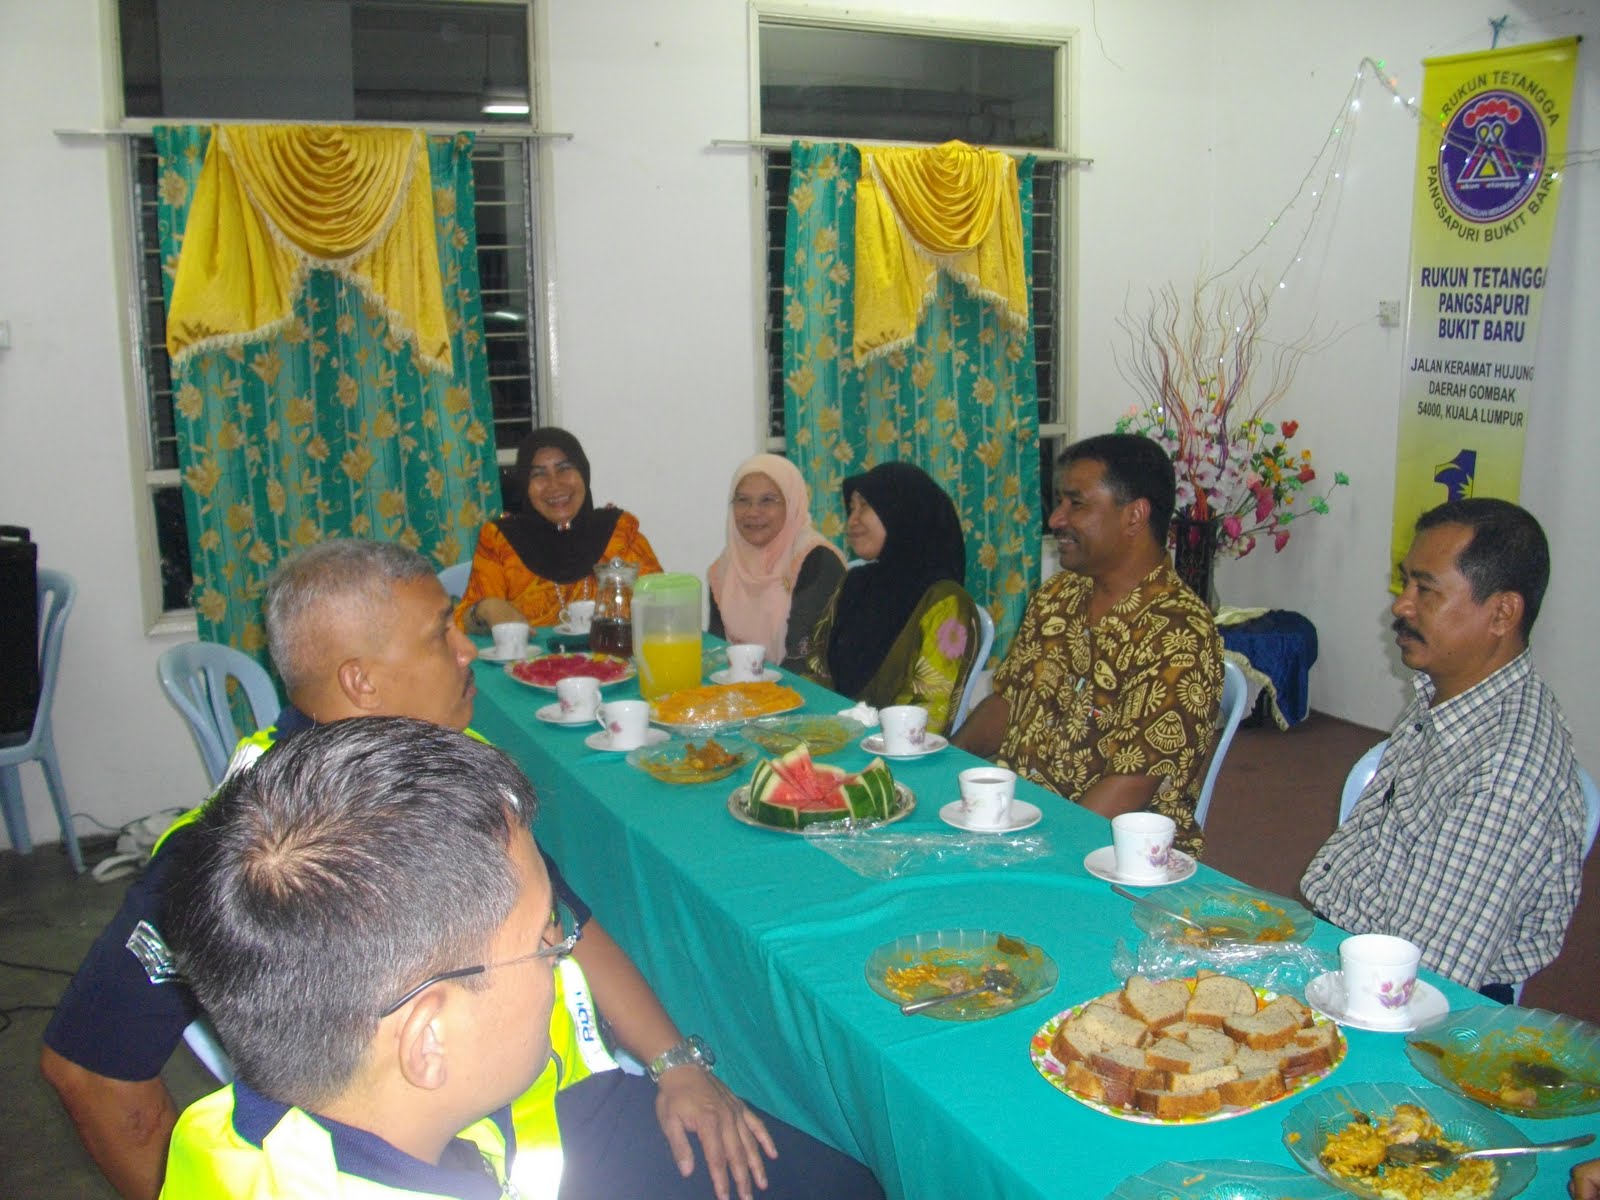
(444, 64)
(877, 83)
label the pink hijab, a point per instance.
(752, 585)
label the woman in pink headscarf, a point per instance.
(777, 573)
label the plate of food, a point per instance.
(548, 670)
(721, 706)
(822, 732)
(1230, 912)
(792, 794)
(1344, 1134)
(1186, 1051)
(692, 760)
(1223, 1179)
(921, 966)
(1522, 1061)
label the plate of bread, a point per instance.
(1186, 1051)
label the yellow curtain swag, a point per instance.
(275, 201)
(918, 211)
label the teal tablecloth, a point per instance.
(757, 940)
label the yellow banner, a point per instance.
(1488, 178)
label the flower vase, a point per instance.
(1194, 554)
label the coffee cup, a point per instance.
(905, 728)
(986, 794)
(580, 615)
(578, 698)
(625, 721)
(1380, 973)
(746, 662)
(1142, 844)
(510, 639)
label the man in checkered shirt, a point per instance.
(1469, 840)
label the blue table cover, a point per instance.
(1282, 645)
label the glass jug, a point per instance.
(666, 633)
(611, 632)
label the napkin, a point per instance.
(865, 713)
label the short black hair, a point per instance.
(351, 862)
(1136, 469)
(1508, 551)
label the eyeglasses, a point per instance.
(562, 918)
(763, 502)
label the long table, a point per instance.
(758, 940)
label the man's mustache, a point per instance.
(1400, 626)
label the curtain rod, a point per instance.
(783, 143)
(429, 127)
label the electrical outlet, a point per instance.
(1388, 313)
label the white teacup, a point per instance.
(905, 728)
(1142, 843)
(625, 721)
(580, 614)
(510, 639)
(1380, 973)
(578, 697)
(986, 794)
(746, 662)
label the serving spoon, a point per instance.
(1162, 909)
(1425, 1153)
(1548, 1075)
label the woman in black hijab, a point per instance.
(531, 565)
(902, 628)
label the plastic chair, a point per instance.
(195, 678)
(201, 1038)
(1360, 775)
(1235, 695)
(985, 644)
(1591, 800)
(454, 579)
(57, 591)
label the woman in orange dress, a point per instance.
(530, 566)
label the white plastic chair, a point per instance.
(1360, 775)
(195, 678)
(1235, 695)
(56, 594)
(201, 1038)
(454, 579)
(985, 644)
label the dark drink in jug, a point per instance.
(612, 635)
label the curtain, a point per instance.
(327, 427)
(960, 401)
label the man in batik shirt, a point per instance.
(1469, 840)
(1110, 691)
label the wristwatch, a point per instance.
(691, 1050)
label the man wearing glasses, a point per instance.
(363, 629)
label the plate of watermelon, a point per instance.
(548, 670)
(792, 794)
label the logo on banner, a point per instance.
(1457, 474)
(1491, 156)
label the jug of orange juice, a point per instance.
(666, 633)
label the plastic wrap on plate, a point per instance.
(879, 853)
(1279, 966)
(722, 704)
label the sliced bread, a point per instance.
(1126, 1064)
(1199, 1081)
(1264, 1030)
(1312, 1050)
(1112, 1026)
(1156, 1004)
(1218, 997)
(1075, 1043)
(1252, 1089)
(1097, 1087)
(1170, 1106)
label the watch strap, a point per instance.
(692, 1050)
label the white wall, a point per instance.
(1200, 118)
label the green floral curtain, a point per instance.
(961, 403)
(328, 429)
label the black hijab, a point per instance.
(922, 545)
(559, 555)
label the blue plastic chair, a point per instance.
(1360, 775)
(454, 579)
(57, 591)
(195, 678)
(201, 1039)
(985, 645)
(1235, 695)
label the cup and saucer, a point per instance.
(600, 739)
(768, 675)
(571, 629)
(1141, 852)
(1376, 987)
(875, 743)
(1326, 993)
(1022, 816)
(1102, 864)
(551, 714)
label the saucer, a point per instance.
(1023, 816)
(873, 744)
(768, 675)
(550, 714)
(566, 629)
(1102, 864)
(490, 654)
(600, 739)
(1325, 993)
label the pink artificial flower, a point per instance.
(1280, 539)
(1307, 474)
(1232, 526)
(1290, 428)
(952, 638)
(1264, 503)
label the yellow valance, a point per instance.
(274, 201)
(951, 207)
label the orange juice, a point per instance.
(668, 663)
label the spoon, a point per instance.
(994, 979)
(1160, 908)
(1423, 1153)
(1548, 1075)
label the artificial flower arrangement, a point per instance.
(1209, 379)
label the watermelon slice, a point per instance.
(792, 792)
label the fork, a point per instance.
(997, 978)
(1425, 1153)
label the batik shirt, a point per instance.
(1135, 693)
(1469, 839)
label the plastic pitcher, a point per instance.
(666, 633)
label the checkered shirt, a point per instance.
(1469, 839)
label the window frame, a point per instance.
(1065, 41)
(147, 478)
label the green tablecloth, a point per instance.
(757, 940)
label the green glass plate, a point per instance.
(1235, 912)
(922, 965)
(1223, 1179)
(823, 733)
(1472, 1050)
